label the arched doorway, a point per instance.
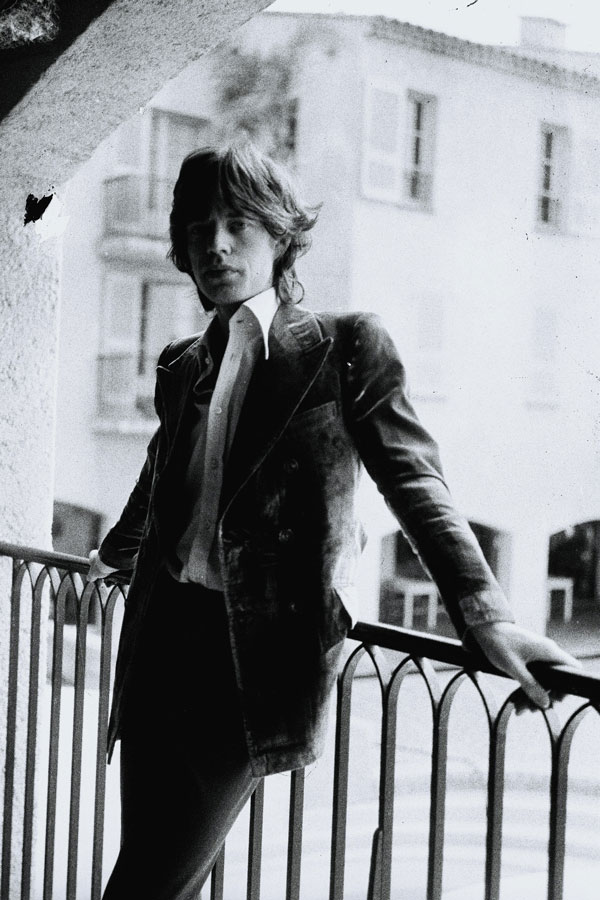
(574, 582)
(409, 598)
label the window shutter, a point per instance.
(174, 135)
(382, 157)
(119, 345)
(420, 138)
(554, 177)
(168, 311)
(121, 313)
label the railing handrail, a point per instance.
(24, 699)
(45, 557)
(563, 679)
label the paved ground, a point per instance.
(526, 806)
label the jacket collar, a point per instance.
(297, 351)
(293, 329)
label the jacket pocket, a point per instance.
(316, 415)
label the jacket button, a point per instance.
(291, 465)
(285, 535)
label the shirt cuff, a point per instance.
(484, 607)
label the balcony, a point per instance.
(431, 788)
(137, 204)
(125, 395)
(136, 220)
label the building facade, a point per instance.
(461, 202)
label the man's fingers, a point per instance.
(532, 688)
(552, 653)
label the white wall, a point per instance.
(519, 467)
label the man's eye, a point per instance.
(238, 224)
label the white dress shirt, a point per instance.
(196, 551)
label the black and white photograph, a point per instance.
(300, 450)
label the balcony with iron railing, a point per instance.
(126, 389)
(137, 205)
(431, 787)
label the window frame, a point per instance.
(426, 135)
(400, 160)
(128, 400)
(552, 178)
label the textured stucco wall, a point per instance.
(122, 59)
(28, 304)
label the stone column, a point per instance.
(28, 350)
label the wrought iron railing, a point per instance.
(53, 862)
(138, 205)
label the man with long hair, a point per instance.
(241, 531)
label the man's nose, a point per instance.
(218, 239)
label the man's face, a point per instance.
(231, 256)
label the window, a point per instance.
(551, 213)
(172, 137)
(419, 162)
(399, 146)
(381, 160)
(140, 318)
(148, 152)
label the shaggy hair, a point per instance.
(245, 180)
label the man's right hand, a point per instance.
(98, 569)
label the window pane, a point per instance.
(121, 311)
(417, 150)
(415, 185)
(383, 134)
(418, 114)
(545, 209)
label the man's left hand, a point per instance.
(510, 648)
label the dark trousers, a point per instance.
(185, 772)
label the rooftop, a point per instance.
(566, 69)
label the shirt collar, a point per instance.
(263, 306)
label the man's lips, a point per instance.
(220, 271)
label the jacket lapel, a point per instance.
(297, 351)
(176, 379)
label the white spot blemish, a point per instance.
(53, 222)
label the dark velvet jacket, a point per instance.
(331, 396)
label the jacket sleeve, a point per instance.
(403, 460)
(120, 546)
